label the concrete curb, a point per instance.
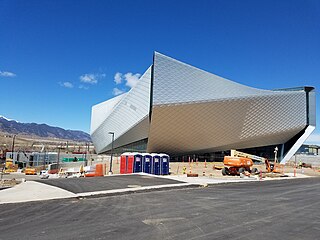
(69, 195)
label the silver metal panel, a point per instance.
(137, 132)
(102, 110)
(176, 82)
(131, 109)
(219, 125)
(272, 114)
(312, 108)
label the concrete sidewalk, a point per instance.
(33, 191)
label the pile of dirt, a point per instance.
(6, 183)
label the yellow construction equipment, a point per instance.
(10, 167)
(30, 171)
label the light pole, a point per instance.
(275, 154)
(86, 153)
(58, 160)
(12, 149)
(110, 170)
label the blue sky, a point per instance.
(58, 58)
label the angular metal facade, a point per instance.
(126, 117)
(181, 109)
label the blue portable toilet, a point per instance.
(137, 165)
(156, 166)
(146, 163)
(164, 162)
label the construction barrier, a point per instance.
(99, 170)
(90, 174)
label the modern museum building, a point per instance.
(181, 110)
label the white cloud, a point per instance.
(118, 78)
(7, 74)
(131, 79)
(313, 139)
(66, 84)
(117, 91)
(91, 78)
(83, 87)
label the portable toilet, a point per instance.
(164, 162)
(123, 163)
(156, 166)
(126, 163)
(137, 165)
(146, 163)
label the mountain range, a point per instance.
(41, 130)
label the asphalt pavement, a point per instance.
(287, 209)
(81, 185)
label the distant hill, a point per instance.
(41, 130)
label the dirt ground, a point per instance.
(212, 169)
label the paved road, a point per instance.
(80, 185)
(287, 209)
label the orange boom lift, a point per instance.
(240, 162)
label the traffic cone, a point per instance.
(184, 170)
